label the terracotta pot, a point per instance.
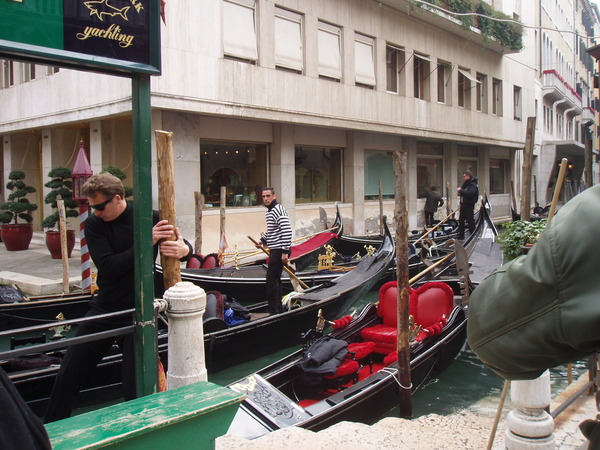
(53, 243)
(16, 237)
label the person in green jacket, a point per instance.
(542, 309)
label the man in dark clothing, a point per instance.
(278, 239)
(468, 193)
(433, 202)
(109, 234)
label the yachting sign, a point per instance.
(114, 36)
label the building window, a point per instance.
(517, 103)
(498, 171)
(481, 92)
(8, 73)
(394, 62)
(318, 174)
(364, 60)
(497, 97)
(443, 78)
(239, 29)
(430, 166)
(27, 72)
(467, 160)
(330, 57)
(51, 70)
(288, 40)
(379, 166)
(466, 83)
(420, 73)
(240, 167)
(462, 82)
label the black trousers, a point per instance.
(466, 215)
(428, 217)
(80, 361)
(274, 285)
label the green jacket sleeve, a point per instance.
(543, 310)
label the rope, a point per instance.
(393, 373)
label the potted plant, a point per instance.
(60, 185)
(15, 235)
(519, 236)
(121, 176)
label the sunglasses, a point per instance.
(101, 206)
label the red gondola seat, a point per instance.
(429, 305)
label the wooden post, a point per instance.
(401, 222)
(557, 188)
(448, 206)
(166, 200)
(64, 251)
(380, 207)
(588, 163)
(527, 166)
(512, 196)
(222, 212)
(199, 200)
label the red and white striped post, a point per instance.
(80, 173)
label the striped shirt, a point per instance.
(279, 230)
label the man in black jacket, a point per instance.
(109, 234)
(468, 193)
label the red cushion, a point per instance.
(380, 333)
(383, 348)
(311, 244)
(347, 367)
(388, 303)
(194, 262)
(210, 261)
(360, 349)
(390, 358)
(430, 302)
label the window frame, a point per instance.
(329, 68)
(332, 189)
(364, 60)
(240, 39)
(289, 48)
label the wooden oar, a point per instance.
(249, 253)
(430, 268)
(286, 268)
(436, 227)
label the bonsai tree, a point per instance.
(121, 176)
(18, 206)
(517, 234)
(60, 184)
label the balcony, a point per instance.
(556, 88)
(589, 114)
(450, 24)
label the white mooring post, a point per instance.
(529, 425)
(187, 303)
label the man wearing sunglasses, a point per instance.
(109, 234)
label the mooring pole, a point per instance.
(401, 222)
(166, 200)
(527, 166)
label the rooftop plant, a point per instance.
(505, 31)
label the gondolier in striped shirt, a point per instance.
(278, 239)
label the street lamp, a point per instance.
(80, 173)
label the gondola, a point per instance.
(249, 282)
(365, 385)
(302, 255)
(260, 336)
